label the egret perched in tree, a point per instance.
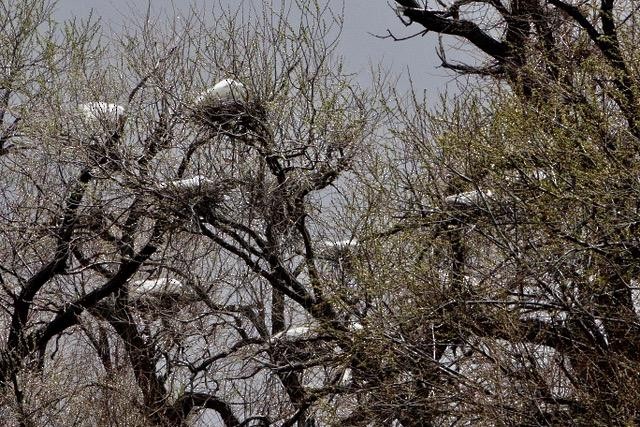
(295, 333)
(199, 188)
(227, 90)
(310, 332)
(226, 106)
(197, 183)
(102, 112)
(193, 198)
(298, 343)
(156, 289)
(336, 251)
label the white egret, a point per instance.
(102, 112)
(334, 251)
(229, 89)
(192, 199)
(224, 91)
(293, 334)
(156, 288)
(310, 332)
(197, 183)
(160, 298)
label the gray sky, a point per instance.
(362, 17)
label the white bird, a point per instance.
(102, 111)
(293, 334)
(223, 91)
(333, 251)
(309, 332)
(198, 182)
(156, 288)
(229, 89)
(469, 198)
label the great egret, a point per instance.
(102, 112)
(156, 288)
(224, 91)
(197, 183)
(293, 334)
(334, 251)
(310, 332)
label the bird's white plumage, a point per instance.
(293, 333)
(229, 89)
(340, 244)
(301, 332)
(331, 250)
(155, 288)
(224, 90)
(197, 182)
(101, 111)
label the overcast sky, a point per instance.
(362, 19)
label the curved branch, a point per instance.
(190, 400)
(434, 21)
(69, 316)
(296, 291)
(52, 268)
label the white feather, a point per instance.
(99, 111)
(224, 90)
(293, 333)
(334, 250)
(306, 331)
(198, 182)
(155, 288)
(229, 89)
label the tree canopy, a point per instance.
(207, 221)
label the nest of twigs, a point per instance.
(189, 206)
(232, 115)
